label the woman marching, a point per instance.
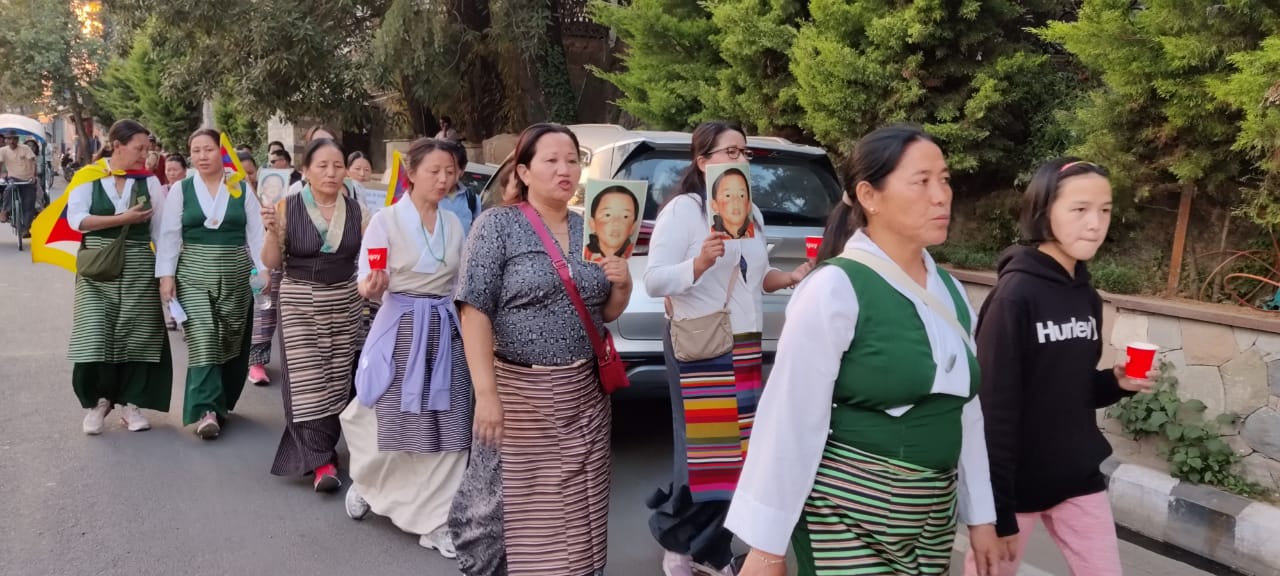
(119, 349)
(701, 274)
(266, 318)
(1040, 393)
(538, 396)
(209, 230)
(409, 429)
(869, 437)
(314, 237)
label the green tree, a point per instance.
(1254, 90)
(966, 70)
(49, 57)
(671, 61)
(240, 123)
(133, 87)
(1169, 109)
(301, 59)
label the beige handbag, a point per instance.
(704, 337)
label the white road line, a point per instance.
(962, 546)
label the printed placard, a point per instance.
(273, 183)
(614, 209)
(728, 200)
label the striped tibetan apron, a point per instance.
(119, 345)
(719, 398)
(868, 514)
(213, 289)
(555, 468)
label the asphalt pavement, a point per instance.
(163, 502)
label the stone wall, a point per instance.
(1224, 356)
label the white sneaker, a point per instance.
(94, 418)
(357, 508)
(133, 418)
(208, 428)
(440, 541)
(676, 564)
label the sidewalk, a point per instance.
(1045, 560)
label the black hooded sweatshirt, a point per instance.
(1039, 343)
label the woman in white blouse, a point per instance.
(866, 445)
(699, 274)
(409, 430)
(202, 264)
(118, 343)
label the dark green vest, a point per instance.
(230, 231)
(100, 205)
(889, 364)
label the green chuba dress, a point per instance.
(119, 345)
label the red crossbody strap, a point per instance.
(562, 268)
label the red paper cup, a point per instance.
(377, 258)
(1141, 357)
(811, 246)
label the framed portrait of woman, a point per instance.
(613, 210)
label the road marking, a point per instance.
(962, 546)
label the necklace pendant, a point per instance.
(213, 222)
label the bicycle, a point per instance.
(13, 194)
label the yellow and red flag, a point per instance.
(398, 183)
(53, 240)
(231, 162)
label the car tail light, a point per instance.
(642, 242)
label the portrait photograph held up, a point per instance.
(729, 200)
(613, 210)
(273, 183)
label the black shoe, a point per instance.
(26, 235)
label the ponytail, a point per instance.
(844, 221)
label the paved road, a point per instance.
(163, 502)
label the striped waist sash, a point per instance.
(719, 397)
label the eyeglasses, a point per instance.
(733, 152)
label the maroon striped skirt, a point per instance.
(555, 469)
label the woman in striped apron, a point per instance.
(537, 395)
(209, 229)
(409, 430)
(314, 236)
(869, 438)
(118, 344)
(713, 400)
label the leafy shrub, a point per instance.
(1193, 446)
(1116, 278)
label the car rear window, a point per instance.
(789, 190)
(475, 182)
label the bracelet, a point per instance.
(770, 561)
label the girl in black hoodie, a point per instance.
(1039, 340)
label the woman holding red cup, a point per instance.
(1039, 340)
(409, 430)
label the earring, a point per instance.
(874, 211)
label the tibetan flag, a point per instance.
(231, 162)
(53, 240)
(398, 183)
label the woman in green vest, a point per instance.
(869, 437)
(210, 228)
(119, 346)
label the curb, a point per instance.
(1217, 525)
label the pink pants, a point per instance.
(1084, 531)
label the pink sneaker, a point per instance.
(258, 375)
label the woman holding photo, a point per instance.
(539, 399)
(314, 237)
(701, 274)
(1040, 394)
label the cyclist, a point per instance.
(19, 163)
